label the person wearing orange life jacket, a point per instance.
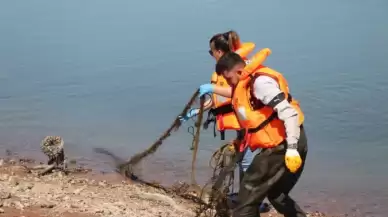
(273, 121)
(219, 106)
(220, 44)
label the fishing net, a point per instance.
(211, 198)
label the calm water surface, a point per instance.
(114, 74)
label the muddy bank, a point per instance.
(81, 193)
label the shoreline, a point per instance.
(86, 193)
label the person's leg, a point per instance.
(265, 170)
(279, 194)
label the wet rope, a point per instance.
(217, 197)
(196, 140)
(126, 167)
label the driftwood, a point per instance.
(52, 147)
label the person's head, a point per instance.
(223, 43)
(231, 66)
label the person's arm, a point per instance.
(223, 91)
(267, 91)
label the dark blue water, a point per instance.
(114, 74)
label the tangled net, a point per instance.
(213, 202)
(126, 168)
(218, 204)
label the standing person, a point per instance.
(219, 106)
(274, 123)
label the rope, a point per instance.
(196, 140)
(218, 198)
(126, 167)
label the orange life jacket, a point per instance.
(263, 127)
(222, 111)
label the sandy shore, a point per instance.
(81, 193)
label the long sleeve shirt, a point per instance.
(265, 89)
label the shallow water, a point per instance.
(114, 74)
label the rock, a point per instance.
(1, 162)
(18, 205)
(5, 195)
(29, 185)
(60, 175)
(74, 206)
(47, 205)
(4, 177)
(19, 169)
(100, 211)
(78, 191)
(12, 161)
(25, 186)
(102, 183)
(13, 181)
(1, 210)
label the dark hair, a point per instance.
(228, 61)
(226, 42)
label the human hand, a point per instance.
(191, 113)
(293, 160)
(205, 88)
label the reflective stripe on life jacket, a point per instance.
(263, 127)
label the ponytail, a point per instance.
(226, 42)
(233, 40)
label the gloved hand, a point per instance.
(191, 113)
(293, 159)
(205, 88)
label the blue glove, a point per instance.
(191, 113)
(205, 88)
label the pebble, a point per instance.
(102, 183)
(60, 175)
(4, 177)
(25, 186)
(5, 195)
(13, 181)
(19, 169)
(47, 205)
(100, 211)
(78, 191)
(18, 205)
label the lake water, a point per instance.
(114, 74)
